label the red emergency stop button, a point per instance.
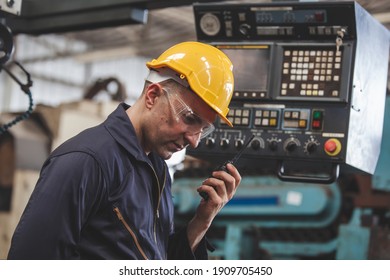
(332, 147)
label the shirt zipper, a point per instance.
(135, 239)
(160, 190)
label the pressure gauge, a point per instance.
(210, 24)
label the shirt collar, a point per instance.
(122, 130)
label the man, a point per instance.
(106, 193)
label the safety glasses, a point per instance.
(183, 114)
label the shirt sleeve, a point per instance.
(179, 247)
(67, 193)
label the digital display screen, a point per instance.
(288, 16)
(250, 67)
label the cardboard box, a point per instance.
(7, 168)
(30, 141)
(67, 120)
(23, 186)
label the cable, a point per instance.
(19, 118)
(25, 87)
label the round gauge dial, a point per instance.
(210, 24)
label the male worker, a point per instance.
(106, 193)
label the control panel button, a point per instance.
(317, 119)
(316, 125)
(239, 116)
(266, 118)
(332, 147)
(320, 68)
(296, 118)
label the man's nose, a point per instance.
(192, 139)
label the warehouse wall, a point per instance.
(60, 76)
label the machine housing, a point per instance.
(310, 84)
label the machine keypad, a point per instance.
(266, 118)
(311, 73)
(239, 117)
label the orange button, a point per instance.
(302, 123)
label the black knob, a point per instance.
(224, 143)
(273, 145)
(311, 147)
(244, 29)
(238, 144)
(291, 146)
(255, 144)
(210, 142)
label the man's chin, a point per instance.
(167, 151)
(166, 154)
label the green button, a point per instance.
(317, 115)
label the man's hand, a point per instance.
(220, 188)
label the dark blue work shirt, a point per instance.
(99, 196)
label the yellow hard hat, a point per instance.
(208, 71)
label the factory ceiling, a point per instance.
(165, 25)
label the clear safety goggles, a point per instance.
(183, 114)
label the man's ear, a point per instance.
(153, 92)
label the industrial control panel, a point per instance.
(310, 84)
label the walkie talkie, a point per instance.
(232, 161)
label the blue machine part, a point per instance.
(381, 178)
(353, 240)
(237, 244)
(267, 202)
(352, 243)
(263, 202)
(286, 250)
